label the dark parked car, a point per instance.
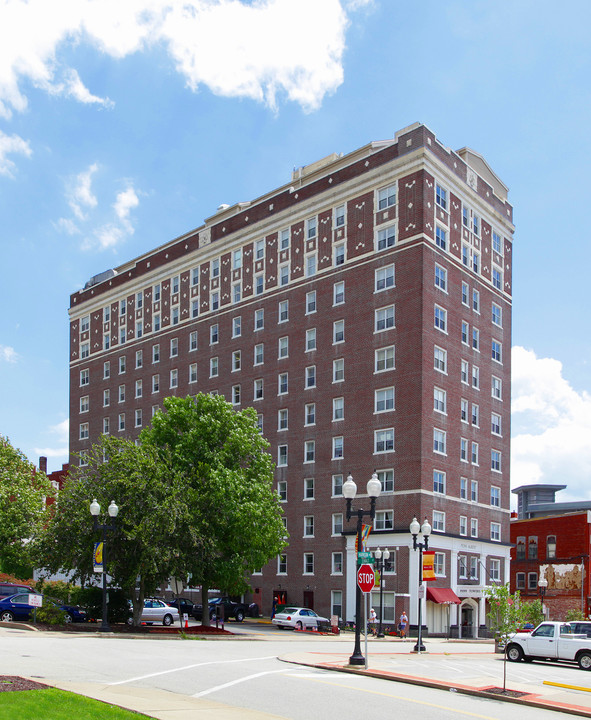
(16, 607)
(7, 589)
(231, 610)
(186, 605)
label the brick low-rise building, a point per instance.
(364, 310)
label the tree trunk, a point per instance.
(137, 601)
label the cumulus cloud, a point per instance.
(551, 427)
(8, 354)
(61, 433)
(80, 195)
(259, 50)
(11, 145)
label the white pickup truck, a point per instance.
(551, 641)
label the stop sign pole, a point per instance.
(374, 487)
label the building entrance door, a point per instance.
(309, 599)
(467, 621)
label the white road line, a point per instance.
(236, 682)
(189, 667)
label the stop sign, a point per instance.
(366, 578)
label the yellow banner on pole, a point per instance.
(428, 565)
(365, 530)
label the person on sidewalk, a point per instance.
(372, 622)
(402, 625)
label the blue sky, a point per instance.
(124, 125)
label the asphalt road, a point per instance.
(246, 672)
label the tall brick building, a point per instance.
(364, 310)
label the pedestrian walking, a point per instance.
(274, 608)
(372, 622)
(403, 624)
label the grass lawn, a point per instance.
(53, 704)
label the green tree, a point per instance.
(233, 523)
(141, 550)
(23, 510)
(574, 614)
(533, 612)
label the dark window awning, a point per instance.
(443, 596)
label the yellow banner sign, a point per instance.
(428, 563)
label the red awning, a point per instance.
(443, 595)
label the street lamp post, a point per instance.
(542, 585)
(425, 529)
(382, 558)
(95, 509)
(374, 487)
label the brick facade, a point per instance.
(334, 306)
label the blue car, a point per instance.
(16, 607)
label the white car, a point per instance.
(298, 618)
(158, 611)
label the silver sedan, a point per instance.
(159, 611)
(298, 618)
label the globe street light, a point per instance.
(374, 488)
(425, 529)
(113, 510)
(382, 558)
(542, 586)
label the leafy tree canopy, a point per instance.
(23, 510)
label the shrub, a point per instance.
(51, 615)
(574, 614)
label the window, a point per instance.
(311, 302)
(174, 347)
(282, 564)
(475, 339)
(121, 422)
(310, 265)
(464, 371)
(195, 276)
(462, 567)
(214, 367)
(384, 440)
(337, 448)
(236, 326)
(532, 548)
(175, 315)
(338, 293)
(463, 525)
(309, 489)
(309, 526)
(338, 331)
(237, 259)
(386, 197)
(106, 426)
(473, 491)
(175, 285)
(384, 318)
(551, 546)
(384, 400)
(438, 481)
(473, 527)
(475, 377)
(497, 278)
(532, 581)
(193, 373)
(338, 370)
(259, 284)
(476, 301)
(463, 488)
(122, 307)
(384, 359)
(496, 388)
(235, 394)
(121, 393)
(308, 563)
(283, 350)
(156, 293)
(282, 419)
(520, 548)
(309, 451)
(84, 350)
(495, 531)
(386, 478)
(284, 311)
(337, 485)
(441, 197)
(139, 359)
(495, 460)
(122, 336)
(259, 319)
(463, 449)
(84, 404)
(496, 243)
(138, 388)
(282, 383)
(310, 414)
(214, 334)
(259, 250)
(214, 300)
(440, 359)
(107, 314)
(236, 292)
(473, 568)
(440, 238)
(465, 332)
(83, 431)
(106, 370)
(384, 520)
(138, 418)
(195, 309)
(438, 521)
(174, 378)
(106, 398)
(520, 581)
(386, 238)
(258, 389)
(439, 441)
(311, 376)
(384, 278)
(85, 324)
(259, 354)
(282, 456)
(475, 415)
(282, 484)
(283, 275)
(284, 239)
(497, 349)
(338, 408)
(464, 410)
(155, 383)
(439, 400)
(337, 569)
(495, 423)
(440, 318)
(497, 315)
(337, 523)
(310, 339)
(441, 278)
(339, 254)
(156, 321)
(465, 292)
(439, 564)
(193, 341)
(311, 228)
(495, 496)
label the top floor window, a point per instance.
(520, 548)
(237, 259)
(497, 243)
(259, 250)
(386, 197)
(215, 268)
(339, 216)
(156, 293)
(551, 546)
(284, 239)
(85, 324)
(441, 197)
(175, 284)
(532, 548)
(311, 228)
